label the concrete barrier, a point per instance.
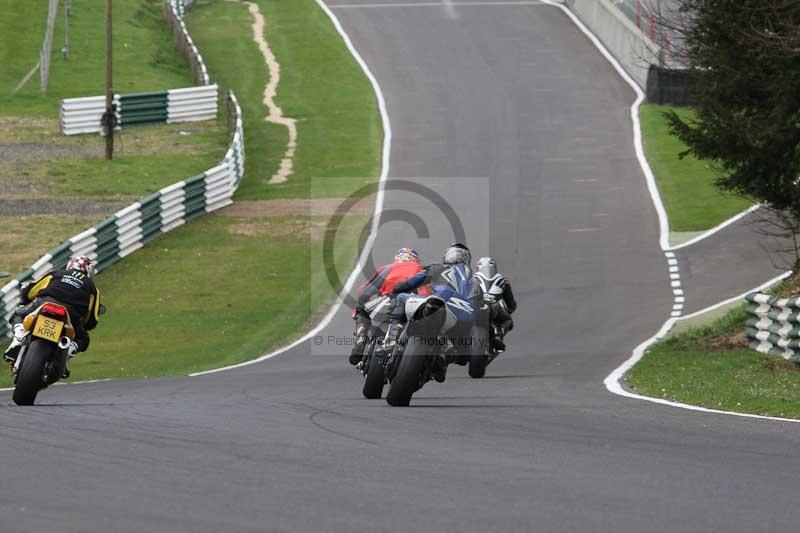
(627, 43)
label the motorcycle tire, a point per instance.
(29, 380)
(409, 373)
(478, 358)
(376, 378)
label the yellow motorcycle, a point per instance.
(42, 359)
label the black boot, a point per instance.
(497, 340)
(357, 353)
(439, 369)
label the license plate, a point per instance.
(48, 328)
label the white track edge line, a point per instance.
(387, 143)
(639, 143)
(69, 384)
(612, 382)
(716, 229)
(663, 222)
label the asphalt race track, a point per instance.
(510, 99)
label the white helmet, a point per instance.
(82, 263)
(487, 266)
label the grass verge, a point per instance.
(692, 201)
(322, 86)
(47, 169)
(225, 289)
(16, 258)
(712, 366)
(144, 53)
(210, 294)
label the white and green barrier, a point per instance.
(192, 104)
(82, 115)
(173, 13)
(774, 326)
(134, 226)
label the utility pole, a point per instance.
(67, 9)
(47, 47)
(109, 118)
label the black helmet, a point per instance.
(457, 253)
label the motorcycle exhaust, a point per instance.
(64, 343)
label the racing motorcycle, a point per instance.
(42, 359)
(485, 331)
(438, 331)
(372, 365)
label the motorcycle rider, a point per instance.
(452, 281)
(72, 287)
(407, 263)
(502, 305)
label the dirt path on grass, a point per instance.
(275, 112)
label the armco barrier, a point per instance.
(83, 115)
(134, 226)
(774, 328)
(173, 12)
(192, 104)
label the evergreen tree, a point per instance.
(745, 55)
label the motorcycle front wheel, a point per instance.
(376, 378)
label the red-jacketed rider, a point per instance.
(407, 263)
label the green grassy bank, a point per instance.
(42, 165)
(686, 185)
(712, 366)
(224, 289)
(321, 86)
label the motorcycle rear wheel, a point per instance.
(478, 358)
(29, 380)
(409, 373)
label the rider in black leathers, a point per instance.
(72, 287)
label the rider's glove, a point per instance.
(19, 332)
(72, 349)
